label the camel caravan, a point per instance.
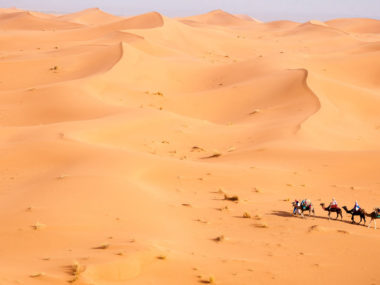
(306, 206)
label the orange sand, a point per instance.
(107, 129)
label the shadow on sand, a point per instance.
(290, 215)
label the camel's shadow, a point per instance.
(290, 215)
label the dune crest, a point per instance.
(317, 22)
(356, 25)
(219, 18)
(145, 21)
(249, 18)
(28, 21)
(92, 16)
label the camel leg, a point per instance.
(375, 223)
(329, 215)
(369, 225)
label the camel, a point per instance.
(374, 215)
(301, 209)
(360, 213)
(338, 211)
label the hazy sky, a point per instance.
(299, 10)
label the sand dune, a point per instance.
(356, 25)
(247, 17)
(157, 150)
(58, 66)
(314, 29)
(29, 21)
(93, 16)
(219, 18)
(10, 10)
(145, 21)
(282, 24)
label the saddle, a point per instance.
(334, 208)
(357, 212)
(306, 204)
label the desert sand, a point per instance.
(121, 136)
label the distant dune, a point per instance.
(155, 150)
(246, 17)
(29, 21)
(356, 25)
(218, 17)
(92, 16)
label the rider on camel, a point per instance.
(356, 208)
(296, 204)
(333, 204)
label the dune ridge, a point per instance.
(356, 25)
(92, 16)
(157, 150)
(25, 20)
(218, 17)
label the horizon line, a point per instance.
(58, 12)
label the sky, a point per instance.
(266, 10)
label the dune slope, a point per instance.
(152, 150)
